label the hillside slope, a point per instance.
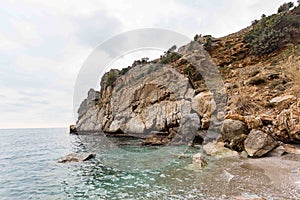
(168, 100)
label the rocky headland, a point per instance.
(252, 111)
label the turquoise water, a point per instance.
(122, 169)
(29, 167)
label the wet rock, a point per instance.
(199, 160)
(77, 157)
(73, 129)
(291, 149)
(234, 132)
(259, 143)
(157, 138)
(217, 149)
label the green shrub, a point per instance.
(285, 7)
(112, 77)
(169, 57)
(99, 103)
(124, 70)
(273, 32)
(208, 42)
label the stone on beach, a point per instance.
(259, 143)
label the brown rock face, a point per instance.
(259, 143)
(204, 105)
(234, 133)
(253, 122)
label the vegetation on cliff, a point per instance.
(260, 69)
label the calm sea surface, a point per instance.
(122, 169)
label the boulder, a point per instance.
(77, 157)
(259, 143)
(278, 151)
(217, 149)
(234, 132)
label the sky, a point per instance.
(43, 45)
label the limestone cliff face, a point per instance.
(149, 98)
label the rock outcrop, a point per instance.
(170, 100)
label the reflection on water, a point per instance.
(122, 169)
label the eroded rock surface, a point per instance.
(259, 143)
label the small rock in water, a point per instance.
(77, 157)
(198, 159)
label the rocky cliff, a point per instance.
(155, 100)
(170, 100)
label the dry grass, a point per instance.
(243, 102)
(293, 71)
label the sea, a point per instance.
(122, 169)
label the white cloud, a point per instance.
(43, 45)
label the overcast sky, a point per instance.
(43, 44)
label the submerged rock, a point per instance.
(199, 160)
(259, 143)
(77, 157)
